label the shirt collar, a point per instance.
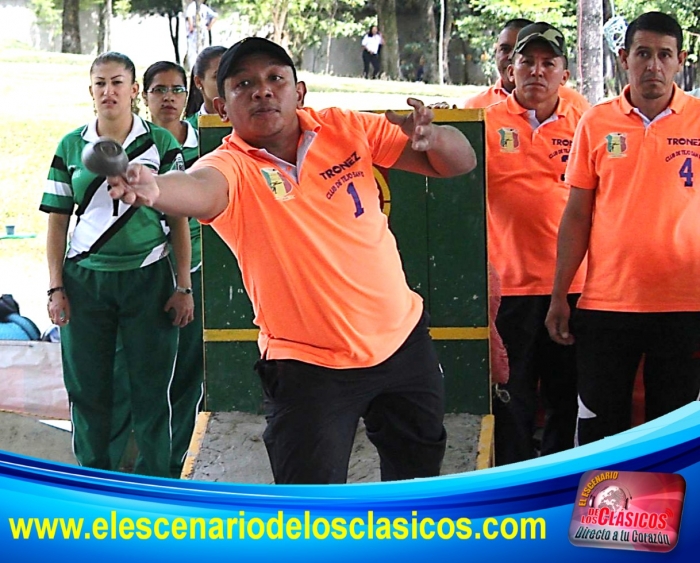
(514, 107)
(678, 100)
(307, 123)
(191, 141)
(138, 127)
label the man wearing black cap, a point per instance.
(528, 136)
(342, 336)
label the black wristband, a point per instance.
(53, 290)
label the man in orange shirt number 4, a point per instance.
(634, 208)
(342, 336)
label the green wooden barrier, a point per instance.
(440, 227)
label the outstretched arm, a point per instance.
(434, 150)
(572, 245)
(201, 193)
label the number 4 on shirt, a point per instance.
(686, 172)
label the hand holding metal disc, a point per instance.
(105, 157)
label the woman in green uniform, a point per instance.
(115, 276)
(165, 93)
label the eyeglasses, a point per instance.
(163, 90)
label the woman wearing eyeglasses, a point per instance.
(165, 94)
(115, 277)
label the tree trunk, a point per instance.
(429, 39)
(386, 20)
(590, 49)
(71, 27)
(279, 20)
(446, 40)
(175, 34)
(105, 27)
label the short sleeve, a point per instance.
(580, 168)
(58, 191)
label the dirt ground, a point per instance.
(232, 450)
(28, 436)
(228, 447)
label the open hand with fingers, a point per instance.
(418, 125)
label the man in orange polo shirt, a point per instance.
(634, 208)
(342, 336)
(505, 85)
(529, 136)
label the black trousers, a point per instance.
(610, 347)
(312, 414)
(367, 59)
(535, 361)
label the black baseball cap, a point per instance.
(249, 46)
(543, 32)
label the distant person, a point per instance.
(114, 276)
(371, 45)
(202, 91)
(528, 136)
(633, 209)
(316, 258)
(504, 85)
(207, 18)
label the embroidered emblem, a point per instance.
(279, 185)
(617, 144)
(510, 139)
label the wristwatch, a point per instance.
(185, 290)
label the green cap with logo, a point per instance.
(542, 32)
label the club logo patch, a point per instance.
(510, 139)
(279, 185)
(617, 145)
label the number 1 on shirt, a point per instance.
(359, 210)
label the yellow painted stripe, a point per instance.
(448, 115)
(231, 335)
(485, 453)
(212, 121)
(200, 429)
(438, 333)
(459, 333)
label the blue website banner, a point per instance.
(54, 512)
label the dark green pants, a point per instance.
(187, 389)
(102, 304)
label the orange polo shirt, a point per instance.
(317, 258)
(496, 93)
(526, 194)
(644, 248)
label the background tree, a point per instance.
(386, 21)
(590, 49)
(71, 27)
(104, 26)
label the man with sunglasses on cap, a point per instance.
(342, 336)
(528, 137)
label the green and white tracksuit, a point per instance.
(117, 278)
(187, 389)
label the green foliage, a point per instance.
(308, 21)
(48, 12)
(480, 21)
(152, 7)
